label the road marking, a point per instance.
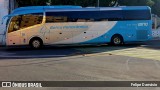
(127, 64)
(32, 56)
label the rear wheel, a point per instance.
(117, 40)
(36, 43)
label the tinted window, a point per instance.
(83, 16)
(31, 20)
(137, 15)
(86, 16)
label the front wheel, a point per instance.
(117, 40)
(36, 43)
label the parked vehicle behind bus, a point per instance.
(62, 25)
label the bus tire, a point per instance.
(117, 40)
(36, 43)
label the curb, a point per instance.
(27, 57)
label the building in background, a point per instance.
(6, 7)
(12, 5)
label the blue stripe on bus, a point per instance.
(124, 30)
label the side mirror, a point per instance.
(3, 20)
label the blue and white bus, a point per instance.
(62, 25)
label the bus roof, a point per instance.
(40, 9)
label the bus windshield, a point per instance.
(24, 21)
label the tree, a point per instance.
(156, 7)
(150, 3)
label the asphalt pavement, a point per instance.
(132, 62)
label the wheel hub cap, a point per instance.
(36, 44)
(117, 41)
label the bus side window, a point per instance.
(104, 19)
(50, 19)
(31, 20)
(81, 20)
(90, 20)
(53, 17)
(60, 19)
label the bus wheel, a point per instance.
(117, 40)
(36, 43)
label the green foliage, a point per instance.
(150, 3)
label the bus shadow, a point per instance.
(60, 51)
(154, 45)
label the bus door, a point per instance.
(31, 25)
